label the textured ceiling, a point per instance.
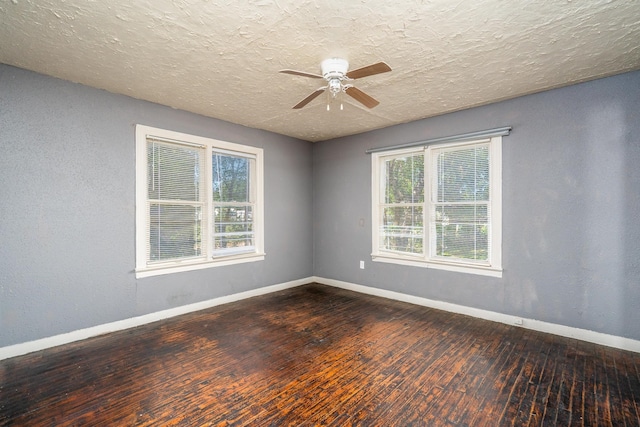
(220, 58)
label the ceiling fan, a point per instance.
(335, 72)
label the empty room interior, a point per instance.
(319, 212)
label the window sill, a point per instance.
(217, 262)
(460, 268)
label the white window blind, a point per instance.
(460, 216)
(175, 182)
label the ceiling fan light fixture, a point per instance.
(335, 86)
(334, 68)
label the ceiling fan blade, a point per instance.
(369, 70)
(309, 98)
(301, 73)
(361, 97)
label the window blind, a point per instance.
(460, 205)
(175, 181)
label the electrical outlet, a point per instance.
(362, 265)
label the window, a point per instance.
(439, 206)
(198, 202)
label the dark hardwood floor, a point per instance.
(316, 355)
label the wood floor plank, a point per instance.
(484, 398)
(571, 398)
(503, 383)
(519, 410)
(449, 370)
(601, 386)
(518, 382)
(629, 385)
(558, 409)
(316, 355)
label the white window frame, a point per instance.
(207, 260)
(428, 259)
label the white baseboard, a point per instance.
(81, 334)
(536, 325)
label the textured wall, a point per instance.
(67, 213)
(571, 208)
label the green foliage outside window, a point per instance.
(402, 227)
(233, 205)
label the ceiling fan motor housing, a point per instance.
(334, 68)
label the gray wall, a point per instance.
(571, 208)
(67, 182)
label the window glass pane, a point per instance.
(174, 172)
(462, 231)
(402, 229)
(231, 178)
(175, 231)
(233, 228)
(404, 179)
(463, 174)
